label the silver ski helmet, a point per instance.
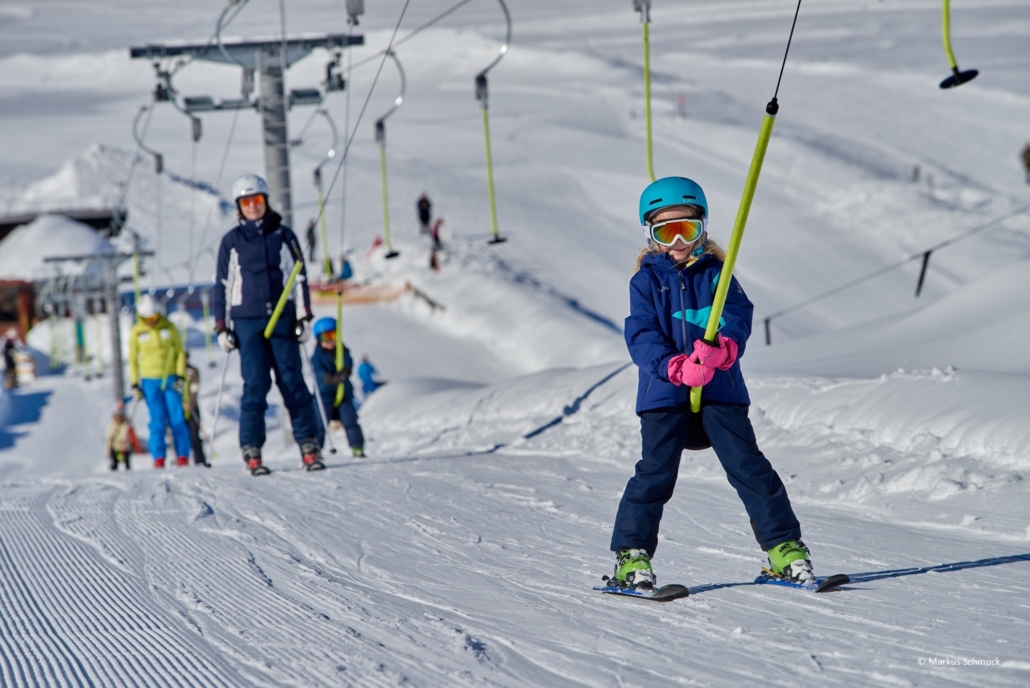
(668, 192)
(249, 185)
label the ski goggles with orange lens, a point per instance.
(328, 336)
(251, 201)
(688, 229)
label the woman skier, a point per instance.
(254, 263)
(671, 297)
(329, 378)
(157, 366)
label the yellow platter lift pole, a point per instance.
(957, 77)
(755, 171)
(644, 8)
(381, 140)
(327, 265)
(483, 96)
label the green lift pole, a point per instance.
(381, 140)
(483, 96)
(327, 265)
(339, 342)
(957, 77)
(644, 8)
(740, 223)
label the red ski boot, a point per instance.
(312, 455)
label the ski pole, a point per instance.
(274, 320)
(218, 404)
(740, 223)
(132, 411)
(321, 408)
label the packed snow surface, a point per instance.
(463, 550)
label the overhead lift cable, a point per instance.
(922, 255)
(381, 140)
(726, 275)
(483, 96)
(364, 106)
(449, 11)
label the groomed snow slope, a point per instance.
(462, 551)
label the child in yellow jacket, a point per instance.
(157, 366)
(118, 440)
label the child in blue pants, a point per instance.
(329, 377)
(671, 298)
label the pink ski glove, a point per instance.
(720, 357)
(684, 370)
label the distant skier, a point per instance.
(437, 244)
(254, 262)
(309, 237)
(1026, 161)
(346, 271)
(118, 439)
(425, 213)
(157, 365)
(671, 295)
(329, 378)
(191, 409)
(10, 365)
(367, 374)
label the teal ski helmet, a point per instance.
(670, 191)
(323, 325)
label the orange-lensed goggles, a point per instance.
(687, 229)
(328, 335)
(251, 201)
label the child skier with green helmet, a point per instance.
(671, 297)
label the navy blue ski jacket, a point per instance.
(669, 309)
(324, 363)
(255, 259)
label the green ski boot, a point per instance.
(633, 569)
(790, 560)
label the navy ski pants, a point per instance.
(348, 417)
(258, 358)
(665, 433)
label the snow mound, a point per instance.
(100, 176)
(981, 326)
(23, 251)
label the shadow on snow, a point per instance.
(870, 576)
(22, 409)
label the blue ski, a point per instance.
(820, 584)
(663, 594)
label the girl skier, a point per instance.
(157, 365)
(254, 261)
(671, 297)
(328, 377)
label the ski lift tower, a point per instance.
(270, 58)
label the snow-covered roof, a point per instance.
(23, 251)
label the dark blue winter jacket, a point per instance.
(324, 363)
(669, 310)
(254, 261)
